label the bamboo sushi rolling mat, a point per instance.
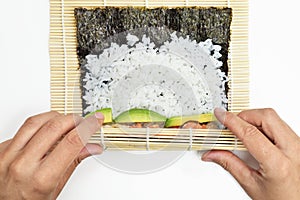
(65, 78)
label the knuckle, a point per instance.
(55, 113)
(269, 112)
(297, 146)
(225, 162)
(229, 118)
(77, 161)
(250, 178)
(283, 170)
(242, 113)
(75, 117)
(54, 126)
(32, 121)
(249, 131)
(42, 183)
(74, 139)
(16, 169)
(225, 165)
(2, 165)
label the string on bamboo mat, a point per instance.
(102, 138)
(147, 139)
(65, 53)
(191, 139)
(146, 3)
(186, 2)
(235, 143)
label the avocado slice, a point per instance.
(107, 113)
(179, 120)
(139, 115)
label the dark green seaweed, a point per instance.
(96, 27)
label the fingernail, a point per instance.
(220, 114)
(99, 115)
(94, 149)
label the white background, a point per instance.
(24, 82)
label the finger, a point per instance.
(272, 125)
(87, 151)
(48, 135)
(24, 134)
(245, 175)
(261, 148)
(29, 128)
(68, 149)
(4, 145)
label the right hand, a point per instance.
(273, 144)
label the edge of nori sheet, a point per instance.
(99, 25)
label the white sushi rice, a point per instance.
(181, 77)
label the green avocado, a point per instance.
(139, 115)
(179, 120)
(107, 113)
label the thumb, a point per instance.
(87, 151)
(245, 175)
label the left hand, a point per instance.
(39, 160)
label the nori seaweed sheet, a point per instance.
(96, 28)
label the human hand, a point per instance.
(41, 157)
(273, 144)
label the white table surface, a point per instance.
(25, 84)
